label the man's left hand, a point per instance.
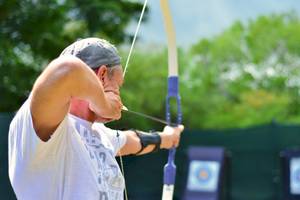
(170, 136)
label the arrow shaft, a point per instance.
(150, 117)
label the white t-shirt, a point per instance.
(78, 162)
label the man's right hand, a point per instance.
(116, 104)
(112, 109)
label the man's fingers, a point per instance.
(171, 136)
(116, 104)
(176, 143)
(180, 127)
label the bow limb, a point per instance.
(173, 93)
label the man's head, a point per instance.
(94, 52)
(102, 57)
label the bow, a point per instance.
(173, 93)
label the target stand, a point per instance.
(205, 171)
(290, 168)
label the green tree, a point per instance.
(247, 75)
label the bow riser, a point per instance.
(170, 167)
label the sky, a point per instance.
(196, 19)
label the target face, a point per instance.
(295, 175)
(203, 176)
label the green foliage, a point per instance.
(247, 75)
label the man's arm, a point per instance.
(63, 79)
(170, 137)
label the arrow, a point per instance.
(148, 117)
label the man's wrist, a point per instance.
(147, 139)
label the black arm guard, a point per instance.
(148, 139)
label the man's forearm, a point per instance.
(166, 139)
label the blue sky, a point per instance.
(196, 19)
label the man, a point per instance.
(59, 147)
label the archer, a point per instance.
(59, 147)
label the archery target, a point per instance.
(203, 176)
(295, 175)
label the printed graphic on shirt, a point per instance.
(110, 180)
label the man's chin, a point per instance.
(103, 120)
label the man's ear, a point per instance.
(102, 71)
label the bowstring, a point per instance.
(125, 69)
(122, 166)
(135, 36)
